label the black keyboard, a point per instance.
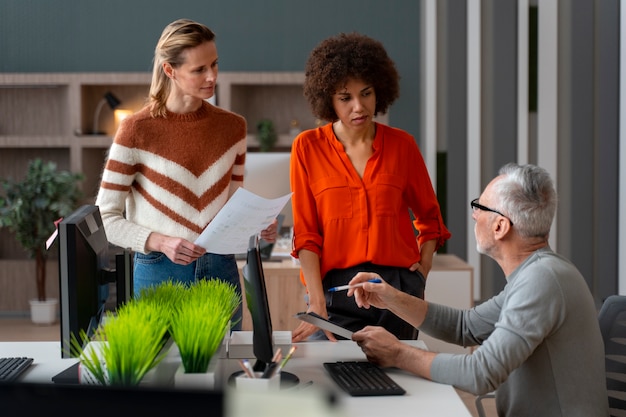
(359, 378)
(12, 368)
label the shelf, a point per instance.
(35, 141)
(284, 142)
(281, 104)
(49, 109)
(266, 95)
(38, 110)
(49, 115)
(132, 97)
(94, 141)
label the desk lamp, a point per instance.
(109, 99)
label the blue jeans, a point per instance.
(154, 268)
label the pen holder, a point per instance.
(259, 384)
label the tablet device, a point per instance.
(323, 323)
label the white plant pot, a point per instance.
(206, 380)
(44, 312)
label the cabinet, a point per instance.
(51, 115)
(450, 283)
(285, 294)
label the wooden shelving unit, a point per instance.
(50, 115)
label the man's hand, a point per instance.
(385, 350)
(380, 346)
(370, 294)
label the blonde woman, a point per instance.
(174, 164)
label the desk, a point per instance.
(423, 398)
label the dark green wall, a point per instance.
(275, 35)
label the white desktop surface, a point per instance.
(423, 397)
(47, 359)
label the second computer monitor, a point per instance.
(258, 305)
(267, 175)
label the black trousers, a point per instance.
(343, 310)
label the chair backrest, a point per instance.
(612, 318)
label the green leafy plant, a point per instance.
(200, 322)
(133, 342)
(30, 207)
(195, 316)
(266, 134)
(167, 295)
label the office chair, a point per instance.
(612, 319)
(480, 409)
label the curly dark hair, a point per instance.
(344, 56)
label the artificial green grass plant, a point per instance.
(134, 340)
(196, 317)
(167, 294)
(200, 322)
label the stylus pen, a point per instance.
(360, 284)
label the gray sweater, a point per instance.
(540, 343)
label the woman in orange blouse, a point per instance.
(355, 185)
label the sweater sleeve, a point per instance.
(510, 326)
(117, 177)
(237, 177)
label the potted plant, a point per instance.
(133, 342)
(266, 134)
(198, 326)
(29, 209)
(126, 345)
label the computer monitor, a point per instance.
(88, 267)
(256, 299)
(267, 174)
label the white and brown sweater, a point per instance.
(170, 174)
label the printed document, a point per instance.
(243, 216)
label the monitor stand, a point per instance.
(68, 376)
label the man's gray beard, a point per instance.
(481, 250)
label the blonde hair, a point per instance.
(177, 37)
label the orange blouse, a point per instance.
(347, 220)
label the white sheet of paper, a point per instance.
(243, 216)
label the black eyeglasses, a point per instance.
(477, 206)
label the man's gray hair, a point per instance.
(526, 194)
